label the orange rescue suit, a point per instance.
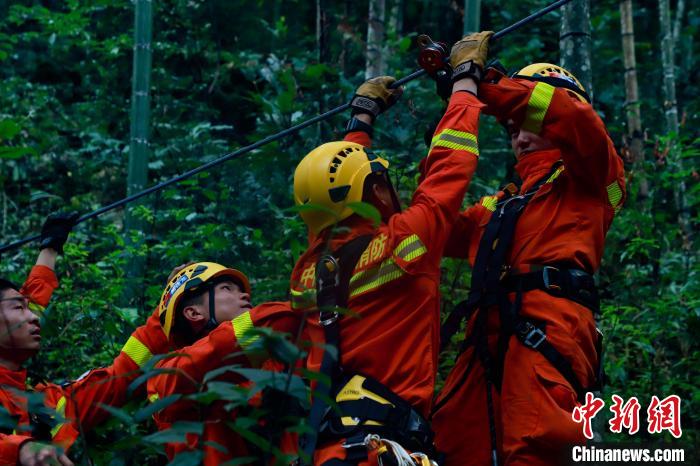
(393, 332)
(225, 345)
(564, 224)
(76, 402)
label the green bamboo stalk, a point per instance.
(137, 176)
(140, 98)
(671, 112)
(472, 16)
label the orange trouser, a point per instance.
(533, 409)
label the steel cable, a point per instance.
(274, 137)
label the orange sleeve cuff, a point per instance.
(42, 272)
(359, 137)
(40, 285)
(466, 98)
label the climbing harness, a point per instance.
(491, 283)
(363, 406)
(274, 137)
(330, 278)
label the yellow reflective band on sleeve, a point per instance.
(137, 351)
(374, 277)
(537, 107)
(302, 299)
(153, 398)
(614, 195)
(242, 326)
(410, 248)
(36, 308)
(489, 202)
(453, 139)
(61, 410)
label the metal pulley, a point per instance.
(433, 56)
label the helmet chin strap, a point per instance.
(394, 196)
(212, 323)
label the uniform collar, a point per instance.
(535, 165)
(16, 379)
(346, 230)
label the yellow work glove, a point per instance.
(374, 96)
(468, 56)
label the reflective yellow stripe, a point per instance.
(137, 351)
(489, 202)
(302, 299)
(555, 175)
(410, 248)
(61, 410)
(153, 398)
(537, 107)
(36, 308)
(374, 277)
(453, 139)
(614, 195)
(242, 326)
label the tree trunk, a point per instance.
(575, 42)
(140, 115)
(680, 10)
(321, 31)
(375, 65)
(667, 63)
(345, 25)
(322, 52)
(396, 17)
(634, 140)
(683, 49)
(671, 112)
(472, 16)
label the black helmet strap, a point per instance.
(212, 323)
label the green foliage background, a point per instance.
(228, 73)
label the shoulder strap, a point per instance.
(490, 256)
(333, 272)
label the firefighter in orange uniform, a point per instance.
(206, 313)
(532, 348)
(38, 437)
(383, 374)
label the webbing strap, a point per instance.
(535, 338)
(573, 284)
(333, 273)
(490, 256)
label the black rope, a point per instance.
(274, 137)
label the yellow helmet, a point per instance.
(332, 176)
(556, 76)
(188, 280)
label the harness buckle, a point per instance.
(547, 278)
(533, 336)
(327, 318)
(327, 281)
